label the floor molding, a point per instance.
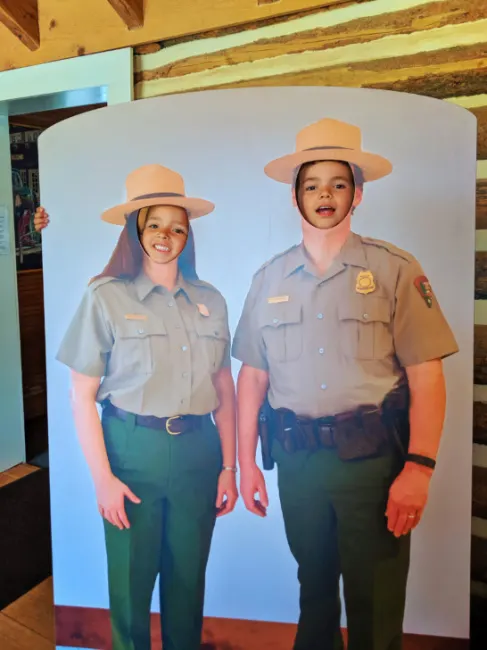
(82, 627)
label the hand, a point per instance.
(41, 219)
(407, 496)
(252, 482)
(110, 494)
(227, 487)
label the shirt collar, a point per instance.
(352, 253)
(144, 286)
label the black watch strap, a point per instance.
(421, 460)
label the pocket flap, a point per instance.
(366, 309)
(214, 327)
(130, 329)
(278, 314)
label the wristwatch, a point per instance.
(421, 460)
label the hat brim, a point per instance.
(194, 207)
(372, 165)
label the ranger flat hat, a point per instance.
(155, 185)
(329, 139)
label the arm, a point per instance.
(88, 425)
(427, 409)
(409, 492)
(110, 492)
(252, 386)
(225, 422)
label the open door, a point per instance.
(12, 444)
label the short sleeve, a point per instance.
(421, 332)
(227, 361)
(88, 341)
(248, 344)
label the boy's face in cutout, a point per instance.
(163, 232)
(325, 193)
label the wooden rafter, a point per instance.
(130, 11)
(21, 17)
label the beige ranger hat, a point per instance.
(329, 139)
(155, 185)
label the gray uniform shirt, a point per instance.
(156, 350)
(328, 348)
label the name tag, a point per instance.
(277, 299)
(135, 317)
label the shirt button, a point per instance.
(171, 304)
(366, 316)
(320, 316)
(140, 331)
(322, 350)
(323, 386)
(275, 320)
(184, 348)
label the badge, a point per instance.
(135, 317)
(276, 299)
(203, 309)
(365, 282)
(424, 287)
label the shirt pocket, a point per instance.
(365, 327)
(139, 344)
(213, 340)
(282, 331)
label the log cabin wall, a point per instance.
(438, 49)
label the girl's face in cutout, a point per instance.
(163, 232)
(326, 193)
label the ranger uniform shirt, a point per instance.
(155, 350)
(328, 348)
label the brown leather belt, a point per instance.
(173, 425)
(304, 433)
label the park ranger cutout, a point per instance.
(341, 340)
(150, 342)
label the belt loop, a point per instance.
(131, 422)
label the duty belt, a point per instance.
(174, 425)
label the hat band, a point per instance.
(156, 195)
(328, 147)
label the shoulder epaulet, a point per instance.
(390, 248)
(207, 285)
(275, 258)
(95, 282)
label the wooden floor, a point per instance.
(28, 624)
(15, 473)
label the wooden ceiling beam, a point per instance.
(130, 11)
(21, 17)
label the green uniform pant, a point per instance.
(170, 532)
(334, 516)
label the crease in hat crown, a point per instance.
(329, 139)
(155, 184)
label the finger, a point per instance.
(254, 507)
(219, 497)
(122, 517)
(116, 519)
(263, 495)
(108, 517)
(392, 516)
(402, 523)
(130, 495)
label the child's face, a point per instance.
(326, 193)
(164, 233)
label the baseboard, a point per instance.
(82, 627)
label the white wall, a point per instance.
(220, 141)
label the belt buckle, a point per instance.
(168, 423)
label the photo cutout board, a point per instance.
(220, 142)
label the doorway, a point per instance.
(24, 132)
(32, 99)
